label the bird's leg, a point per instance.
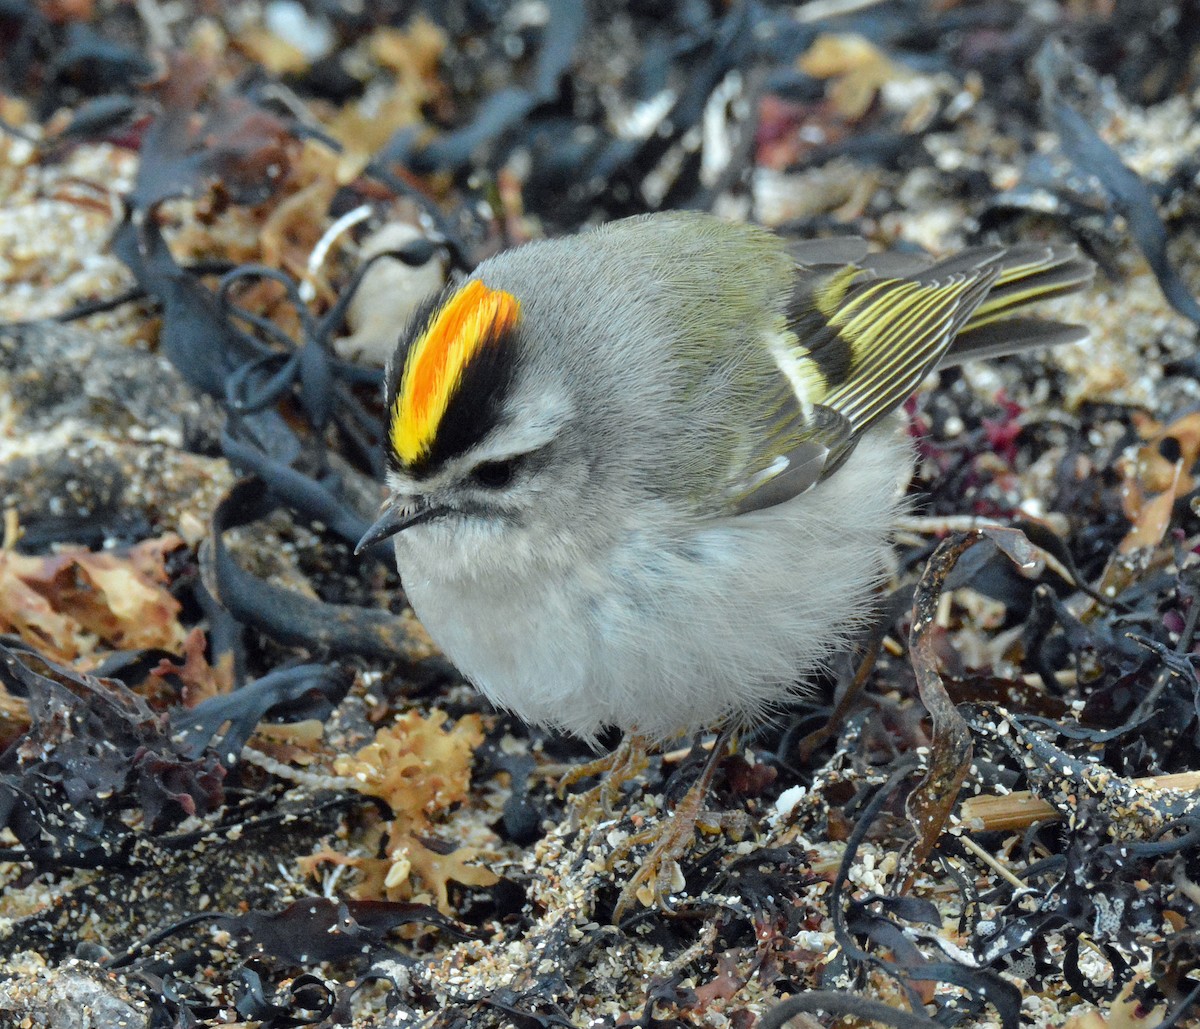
(657, 877)
(623, 765)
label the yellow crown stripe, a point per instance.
(437, 360)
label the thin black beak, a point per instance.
(392, 521)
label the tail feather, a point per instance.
(1029, 275)
(1004, 336)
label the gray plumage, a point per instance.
(688, 499)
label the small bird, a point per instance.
(645, 476)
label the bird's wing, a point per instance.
(858, 343)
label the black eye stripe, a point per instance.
(495, 474)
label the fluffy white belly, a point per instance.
(670, 632)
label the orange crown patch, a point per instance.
(471, 318)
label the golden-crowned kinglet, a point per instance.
(644, 477)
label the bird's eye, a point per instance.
(494, 474)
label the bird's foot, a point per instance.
(659, 874)
(623, 765)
